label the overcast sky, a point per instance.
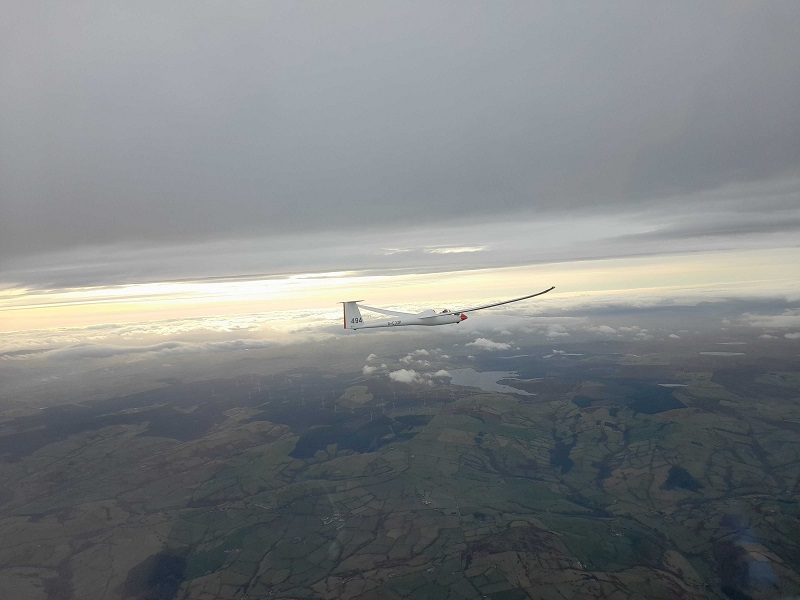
(142, 141)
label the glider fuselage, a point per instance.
(443, 319)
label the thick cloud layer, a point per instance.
(189, 122)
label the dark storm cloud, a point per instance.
(194, 121)
(730, 212)
(732, 218)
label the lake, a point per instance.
(486, 380)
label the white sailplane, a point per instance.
(353, 319)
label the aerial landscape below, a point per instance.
(634, 462)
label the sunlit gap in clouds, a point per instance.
(310, 300)
(166, 300)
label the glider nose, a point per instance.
(463, 317)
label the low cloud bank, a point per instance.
(405, 376)
(487, 344)
(101, 351)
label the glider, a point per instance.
(353, 319)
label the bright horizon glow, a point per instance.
(699, 276)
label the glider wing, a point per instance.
(383, 311)
(504, 302)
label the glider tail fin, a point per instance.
(352, 315)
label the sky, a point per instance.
(204, 159)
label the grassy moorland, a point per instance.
(610, 474)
